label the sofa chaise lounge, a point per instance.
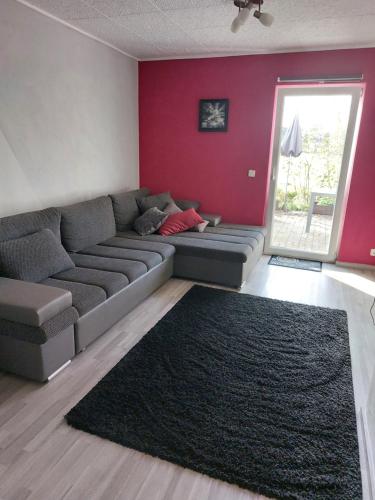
(45, 322)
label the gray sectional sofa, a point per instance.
(44, 324)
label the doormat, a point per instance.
(307, 265)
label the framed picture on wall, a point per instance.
(213, 115)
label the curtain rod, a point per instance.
(322, 79)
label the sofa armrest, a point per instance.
(31, 303)
(213, 219)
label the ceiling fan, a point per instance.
(244, 9)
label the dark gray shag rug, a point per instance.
(253, 391)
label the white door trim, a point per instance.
(356, 91)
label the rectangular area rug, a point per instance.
(249, 390)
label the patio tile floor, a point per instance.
(289, 231)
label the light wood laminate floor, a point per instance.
(41, 458)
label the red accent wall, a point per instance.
(212, 167)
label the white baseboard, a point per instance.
(355, 266)
(369, 455)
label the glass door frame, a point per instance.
(356, 90)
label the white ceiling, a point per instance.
(158, 29)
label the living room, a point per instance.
(187, 249)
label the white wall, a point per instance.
(68, 114)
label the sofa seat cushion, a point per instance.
(84, 297)
(252, 238)
(207, 235)
(141, 243)
(149, 259)
(129, 268)
(259, 230)
(147, 252)
(110, 282)
(193, 244)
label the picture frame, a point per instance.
(213, 115)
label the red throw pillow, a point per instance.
(182, 221)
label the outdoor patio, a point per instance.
(289, 231)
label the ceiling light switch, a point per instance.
(251, 173)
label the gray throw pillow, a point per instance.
(150, 221)
(34, 257)
(172, 208)
(159, 201)
(213, 219)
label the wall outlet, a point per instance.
(372, 252)
(251, 173)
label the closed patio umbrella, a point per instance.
(291, 146)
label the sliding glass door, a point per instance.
(314, 138)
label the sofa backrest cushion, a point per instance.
(34, 257)
(125, 207)
(16, 226)
(87, 223)
(186, 204)
(159, 201)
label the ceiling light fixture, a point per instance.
(244, 9)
